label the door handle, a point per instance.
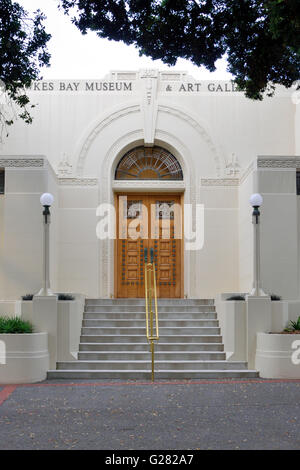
(151, 255)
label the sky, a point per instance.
(77, 56)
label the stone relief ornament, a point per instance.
(164, 210)
(278, 162)
(134, 209)
(149, 73)
(220, 181)
(22, 162)
(64, 167)
(232, 166)
(78, 181)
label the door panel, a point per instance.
(160, 217)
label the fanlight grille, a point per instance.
(148, 163)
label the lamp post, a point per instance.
(46, 201)
(256, 201)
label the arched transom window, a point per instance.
(148, 163)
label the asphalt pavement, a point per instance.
(190, 415)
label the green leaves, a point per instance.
(14, 325)
(295, 325)
(23, 51)
(261, 39)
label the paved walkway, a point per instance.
(204, 414)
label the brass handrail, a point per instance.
(150, 292)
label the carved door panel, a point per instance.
(145, 222)
(132, 230)
(166, 241)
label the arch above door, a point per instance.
(149, 163)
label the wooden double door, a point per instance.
(145, 224)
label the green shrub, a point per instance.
(65, 297)
(60, 297)
(294, 325)
(236, 297)
(14, 325)
(27, 297)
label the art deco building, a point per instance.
(158, 138)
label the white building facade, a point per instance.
(224, 147)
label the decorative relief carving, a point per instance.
(149, 103)
(133, 209)
(149, 73)
(164, 210)
(232, 166)
(78, 181)
(220, 181)
(21, 162)
(64, 167)
(124, 76)
(278, 162)
(171, 76)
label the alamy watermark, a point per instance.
(2, 353)
(167, 220)
(296, 354)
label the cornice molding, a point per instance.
(220, 182)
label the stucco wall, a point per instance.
(78, 245)
(246, 188)
(217, 266)
(279, 231)
(63, 120)
(22, 227)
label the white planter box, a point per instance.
(69, 323)
(232, 315)
(24, 358)
(26, 307)
(274, 356)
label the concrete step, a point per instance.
(142, 315)
(146, 374)
(183, 347)
(192, 338)
(141, 301)
(141, 323)
(146, 365)
(113, 343)
(206, 330)
(146, 356)
(141, 308)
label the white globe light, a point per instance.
(256, 200)
(47, 199)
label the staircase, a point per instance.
(113, 343)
